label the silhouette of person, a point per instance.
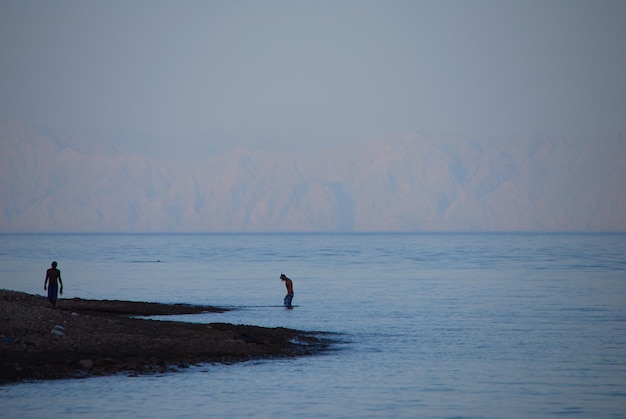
(52, 282)
(289, 285)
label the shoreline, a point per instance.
(82, 338)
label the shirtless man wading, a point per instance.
(289, 285)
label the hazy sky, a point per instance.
(275, 73)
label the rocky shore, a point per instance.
(82, 338)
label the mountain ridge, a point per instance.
(53, 182)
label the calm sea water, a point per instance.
(427, 325)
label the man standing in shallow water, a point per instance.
(52, 282)
(289, 285)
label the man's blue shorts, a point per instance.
(288, 299)
(53, 290)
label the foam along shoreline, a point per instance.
(82, 338)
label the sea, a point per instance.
(446, 325)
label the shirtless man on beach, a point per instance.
(289, 285)
(52, 282)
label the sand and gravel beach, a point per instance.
(81, 338)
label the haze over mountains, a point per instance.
(62, 183)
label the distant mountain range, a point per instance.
(63, 183)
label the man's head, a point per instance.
(282, 276)
(54, 264)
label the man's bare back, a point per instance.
(289, 286)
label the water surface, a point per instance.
(427, 325)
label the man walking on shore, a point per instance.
(52, 282)
(289, 285)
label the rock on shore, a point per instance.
(81, 337)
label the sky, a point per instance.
(294, 74)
